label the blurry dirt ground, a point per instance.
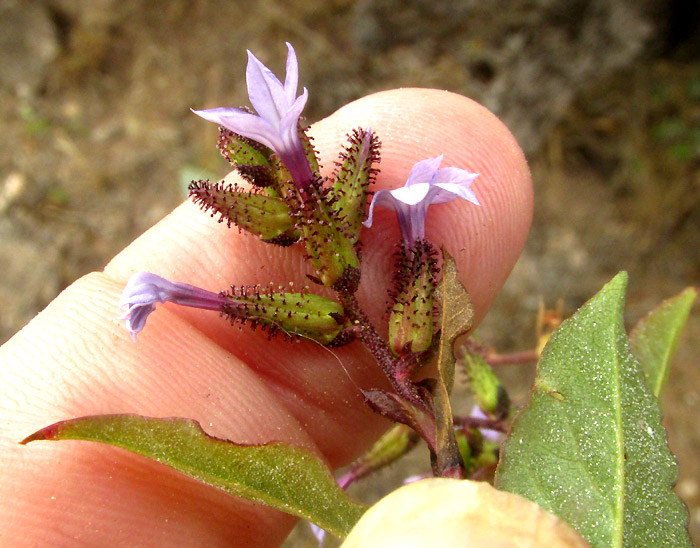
(97, 142)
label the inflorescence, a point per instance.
(287, 201)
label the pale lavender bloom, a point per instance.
(278, 110)
(144, 290)
(426, 185)
(415, 478)
(493, 435)
(319, 533)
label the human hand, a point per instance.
(76, 359)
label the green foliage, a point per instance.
(286, 478)
(655, 338)
(589, 447)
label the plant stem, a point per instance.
(477, 422)
(515, 358)
(492, 357)
(380, 350)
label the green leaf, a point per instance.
(655, 337)
(589, 447)
(456, 315)
(289, 479)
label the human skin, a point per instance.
(75, 358)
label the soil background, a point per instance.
(97, 142)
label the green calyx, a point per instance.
(353, 176)
(302, 315)
(310, 150)
(477, 452)
(488, 391)
(330, 219)
(411, 320)
(254, 211)
(328, 243)
(260, 166)
(393, 445)
(250, 158)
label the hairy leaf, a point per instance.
(286, 478)
(456, 315)
(655, 337)
(589, 447)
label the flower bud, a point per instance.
(411, 324)
(250, 158)
(295, 314)
(394, 444)
(456, 514)
(353, 177)
(328, 243)
(487, 389)
(265, 216)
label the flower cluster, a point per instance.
(274, 215)
(288, 202)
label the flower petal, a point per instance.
(383, 198)
(411, 195)
(244, 123)
(423, 171)
(492, 435)
(266, 92)
(426, 185)
(288, 127)
(136, 318)
(454, 175)
(291, 80)
(446, 192)
(144, 290)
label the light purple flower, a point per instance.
(492, 435)
(319, 533)
(278, 110)
(426, 185)
(144, 290)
